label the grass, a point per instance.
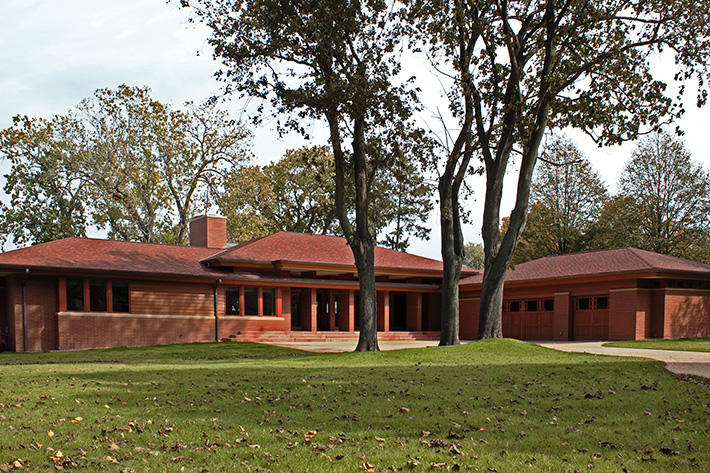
(494, 405)
(684, 344)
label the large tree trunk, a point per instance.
(365, 262)
(452, 259)
(361, 242)
(490, 317)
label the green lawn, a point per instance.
(685, 344)
(498, 405)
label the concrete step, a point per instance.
(295, 337)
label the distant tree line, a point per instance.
(662, 204)
(140, 170)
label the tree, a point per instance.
(521, 68)
(671, 195)
(293, 194)
(401, 199)
(135, 167)
(617, 226)
(47, 191)
(297, 194)
(151, 168)
(473, 255)
(566, 199)
(333, 60)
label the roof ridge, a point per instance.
(635, 251)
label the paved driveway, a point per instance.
(681, 362)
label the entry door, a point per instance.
(591, 318)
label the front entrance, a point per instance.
(591, 318)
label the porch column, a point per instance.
(87, 296)
(346, 311)
(311, 322)
(109, 296)
(383, 311)
(260, 301)
(414, 311)
(331, 311)
(279, 304)
(62, 288)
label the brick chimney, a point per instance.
(209, 231)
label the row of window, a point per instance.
(592, 303)
(98, 295)
(251, 301)
(688, 284)
(532, 305)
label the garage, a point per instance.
(529, 319)
(591, 318)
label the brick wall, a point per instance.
(87, 330)
(172, 299)
(687, 314)
(622, 314)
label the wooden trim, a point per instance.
(469, 298)
(252, 317)
(123, 314)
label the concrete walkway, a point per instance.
(339, 346)
(680, 362)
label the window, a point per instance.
(548, 305)
(251, 301)
(531, 306)
(97, 295)
(119, 292)
(75, 294)
(269, 300)
(232, 301)
(602, 302)
(584, 303)
(514, 306)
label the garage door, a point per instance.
(529, 319)
(591, 318)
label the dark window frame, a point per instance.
(248, 303)
(270, 309)
(234, 291)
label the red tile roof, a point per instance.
(598, 263)
(300, 248)
(95, 255)
(86, 254)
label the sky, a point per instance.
(55, 53)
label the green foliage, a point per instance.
(297, 194)
(503, 405)
(122, 161)
(566, 199)
(47, 190)
(521, 68)
(473, 255)
(671, 195)
(293, 194)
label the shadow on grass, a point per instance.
(509, 404)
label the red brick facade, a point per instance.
(79, 293)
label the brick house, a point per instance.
(619, 294)
(80, 293)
